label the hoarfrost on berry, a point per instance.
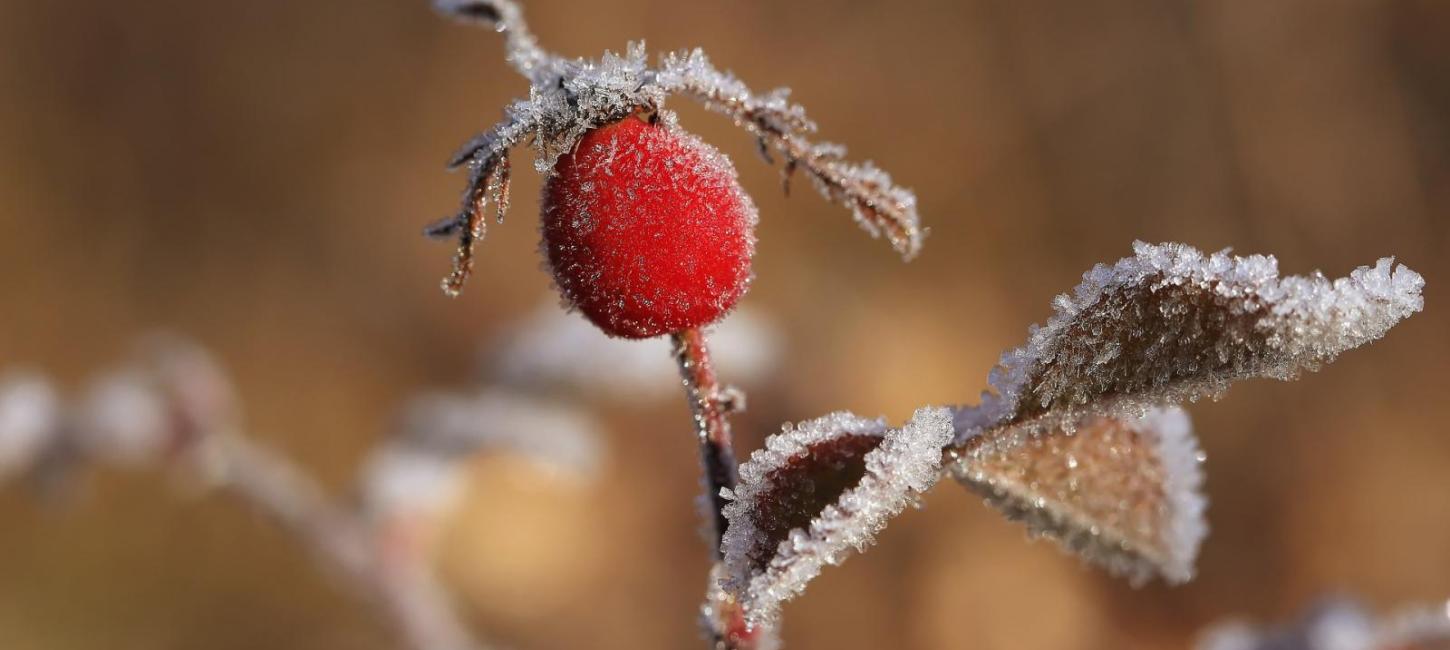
(568, 98)
(646, 230)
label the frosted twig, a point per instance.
(175, 405)
(878, 205)
(568, 97)
(505, 16)
(404, 589)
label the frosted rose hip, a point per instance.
(647, 230)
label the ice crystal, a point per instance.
(1172, 324)
(1339, 624)
(818, 490)
(567, 98)
(29, 421)
(420, 468)
(1123, 493)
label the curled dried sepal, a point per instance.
(879, 205)
(818, 490)
(1172, 324)
(487, 158)
(568, 98)
(1123, 493)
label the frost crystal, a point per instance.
(1172, 324)
(567, 98)
(29, 421)
(815, 492)
(419, 470)
(1122, 493)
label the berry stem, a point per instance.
(711, 408)
(702, 389)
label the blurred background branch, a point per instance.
(252, 174)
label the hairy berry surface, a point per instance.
(647, 230)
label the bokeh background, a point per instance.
(255, 174)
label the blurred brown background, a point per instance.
(255, 174)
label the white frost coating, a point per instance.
(1172, 324)
(568, 97)
(905, 464)
(1183, 488)
(420, 468)
(29, 421)
(552, 349)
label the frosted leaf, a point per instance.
(551, 349)
(1172, 324)
(420, 468)
(815, 492)
(568, 97)
(1338, 624)
(29, 421)
(1123, 493)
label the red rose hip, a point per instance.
(647, 230)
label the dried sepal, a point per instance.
(487, 158)
(1121, 492)
(1172, 324)
(817, 491)
(880, 206)
(569, 97)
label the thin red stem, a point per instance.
(705, 396)
(710, 407)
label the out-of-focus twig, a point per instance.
(400, 584)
